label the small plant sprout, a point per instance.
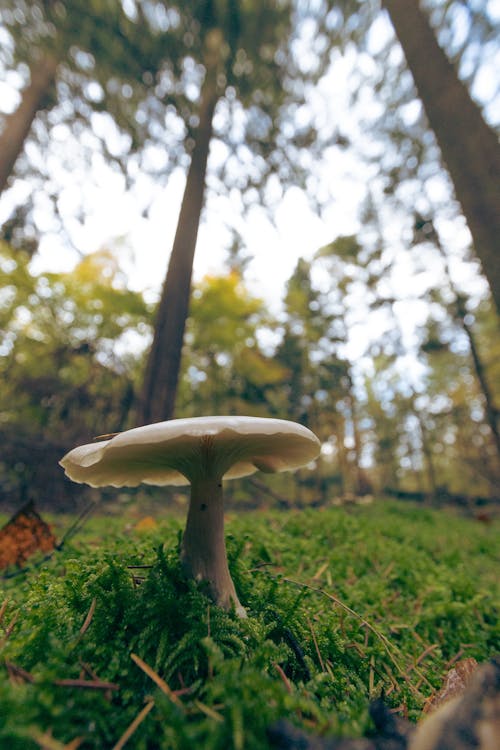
(200, 452)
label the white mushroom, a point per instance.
(200, 452)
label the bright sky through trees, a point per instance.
(114, 215)
(99, 211)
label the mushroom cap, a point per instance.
(182, 450)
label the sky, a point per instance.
(274, 239)
(295, 230)
(141, 222)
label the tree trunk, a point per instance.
(17, 125)
(491, 412)
(460, 317)
(468, 145)
(163, 365)
(361, 484)
(426, 450)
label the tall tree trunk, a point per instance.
(17, 125)
(468, 145)
(426, 450)
(159, 391)
(361, 484)
(460, 317)
(491, 412)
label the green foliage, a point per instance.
(63, 377)
(346, 248)
(137, 69)
(342, 605)
(226, 370)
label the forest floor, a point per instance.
(106, 645)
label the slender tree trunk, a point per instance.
(164, 360)
(491, 412)
(18, 124)
(427, 451)
(429, 484)
(469, 147)
(361, 484)
(343, 463)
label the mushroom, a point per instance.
(200, 452)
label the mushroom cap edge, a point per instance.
(164, 453)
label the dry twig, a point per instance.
(133, 726)
(88, 618)
(157, 680)
(92, 684)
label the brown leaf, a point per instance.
(470, 720)
(454, 684)
(148, 523)
(23, 535)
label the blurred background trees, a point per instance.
(469, 147)
(384, 341)
(244, 53)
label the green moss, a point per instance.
(341, 604)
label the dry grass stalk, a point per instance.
(88, 619)
(157, 680)
(133, 726)
(388, 646)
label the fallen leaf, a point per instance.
(146, 524)
(468, 720)
(23, 535)
(454, 684)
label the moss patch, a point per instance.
(343, 604)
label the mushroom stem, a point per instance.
(203, 550)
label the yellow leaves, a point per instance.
(100, 268)
(226, 367)
(261, 370)
(224, 297)
(345, 247)
(147, 523)
(223, 314)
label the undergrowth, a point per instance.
(343, 605)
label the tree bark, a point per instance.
(361, 484)
(18, 124)
(460, 317)
(491, 412)
(426, 450)
(163, 365)
(469, 147)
